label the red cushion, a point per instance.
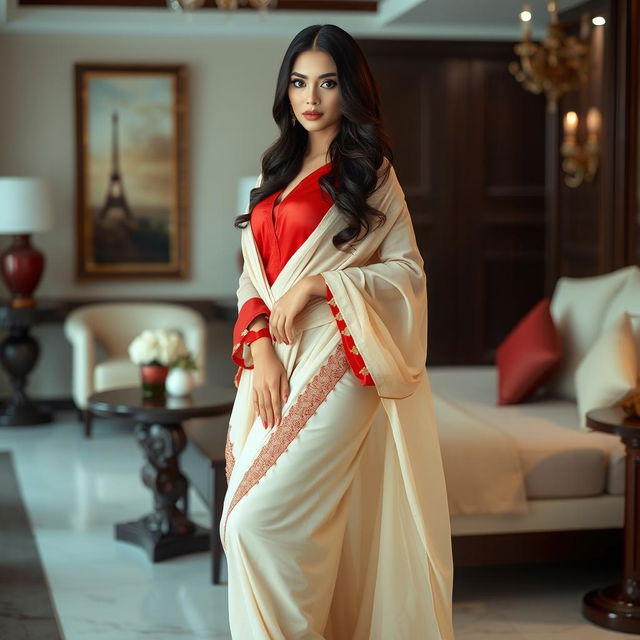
(527, 357)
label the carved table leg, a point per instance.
(167, 531)
(617, 606)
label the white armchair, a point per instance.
(113, 326)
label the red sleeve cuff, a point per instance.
(250, 310)
(353, 355)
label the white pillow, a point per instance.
(578, 307)
(609, 370)
(627, 299)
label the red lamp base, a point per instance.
(22, 266)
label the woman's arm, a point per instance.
(270, 382)
(315, 285)
(258, 323)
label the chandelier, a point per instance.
(558, 63)
(187, 6)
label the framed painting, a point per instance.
(131, 165)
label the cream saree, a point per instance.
(335, 523)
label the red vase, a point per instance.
(153, 379)
(22, 266)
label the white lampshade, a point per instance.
(26, 205)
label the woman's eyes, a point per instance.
(293, 82)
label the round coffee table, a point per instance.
(617, 606)
(167, 531)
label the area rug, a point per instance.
(26, 608)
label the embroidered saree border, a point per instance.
(250, 310)
(353, 355)
(228, 455)
(306, 404)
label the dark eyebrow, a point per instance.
(324, 75)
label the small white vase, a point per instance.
(179, 382)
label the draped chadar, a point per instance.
(396, 573)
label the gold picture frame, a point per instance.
(132, 202)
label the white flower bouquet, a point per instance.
(158, 346)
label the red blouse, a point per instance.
(279, 231)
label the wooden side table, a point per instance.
(167, 531)
(617, 606)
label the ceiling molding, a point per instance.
(390, 11)
(279, 5)
(383, 19)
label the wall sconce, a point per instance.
(555, 65)
(580, 161)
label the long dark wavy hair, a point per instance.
(356, 152)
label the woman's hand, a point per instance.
(270, 383)
(286, 308)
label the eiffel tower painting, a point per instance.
(115, 198)
(132, 180)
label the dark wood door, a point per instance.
(469, 154)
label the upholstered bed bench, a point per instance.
(573, 479)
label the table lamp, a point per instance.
(26, 206)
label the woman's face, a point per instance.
(313, 86)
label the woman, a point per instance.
(335, 523)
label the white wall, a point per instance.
(231, 88)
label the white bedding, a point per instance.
(558, 459)
(481, 464)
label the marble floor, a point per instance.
(75, 489)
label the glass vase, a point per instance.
(153, 378)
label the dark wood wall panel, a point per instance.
(592, 229)
(469, 147)
(500, 208)
(504, 275)
(512, 123)
(504, 216)
(415, 103)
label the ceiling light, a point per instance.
(525, 15)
